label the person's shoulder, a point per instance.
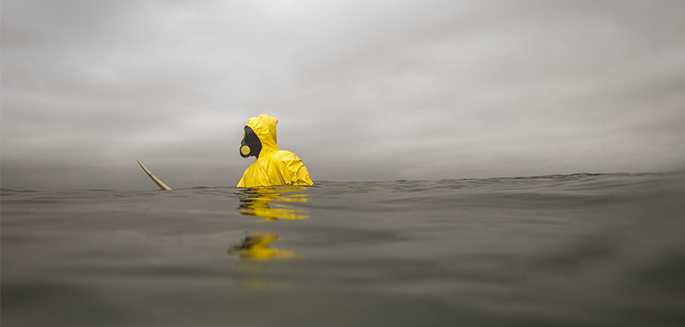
(285, 155)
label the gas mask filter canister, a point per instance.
(244, 150)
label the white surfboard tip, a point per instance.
(154, 178)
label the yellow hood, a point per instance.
(265, 128)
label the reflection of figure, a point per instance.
(256, 247)
(272, 165)
(253, 252)
(258, 202)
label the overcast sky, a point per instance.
(363, 90)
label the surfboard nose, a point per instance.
(154, 178)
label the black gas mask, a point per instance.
(250, 145)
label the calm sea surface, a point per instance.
(572, 250)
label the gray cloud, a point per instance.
(381, 90)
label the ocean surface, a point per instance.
(563, 250)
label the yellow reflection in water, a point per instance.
(253, 252)
(257, 246)
(269, 203)
(261, 202)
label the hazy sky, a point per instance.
(363, 90)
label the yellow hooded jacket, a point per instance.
(273, 166)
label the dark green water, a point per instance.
(572, 250)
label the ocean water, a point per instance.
(568, 250)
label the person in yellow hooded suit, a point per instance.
(272, 166)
